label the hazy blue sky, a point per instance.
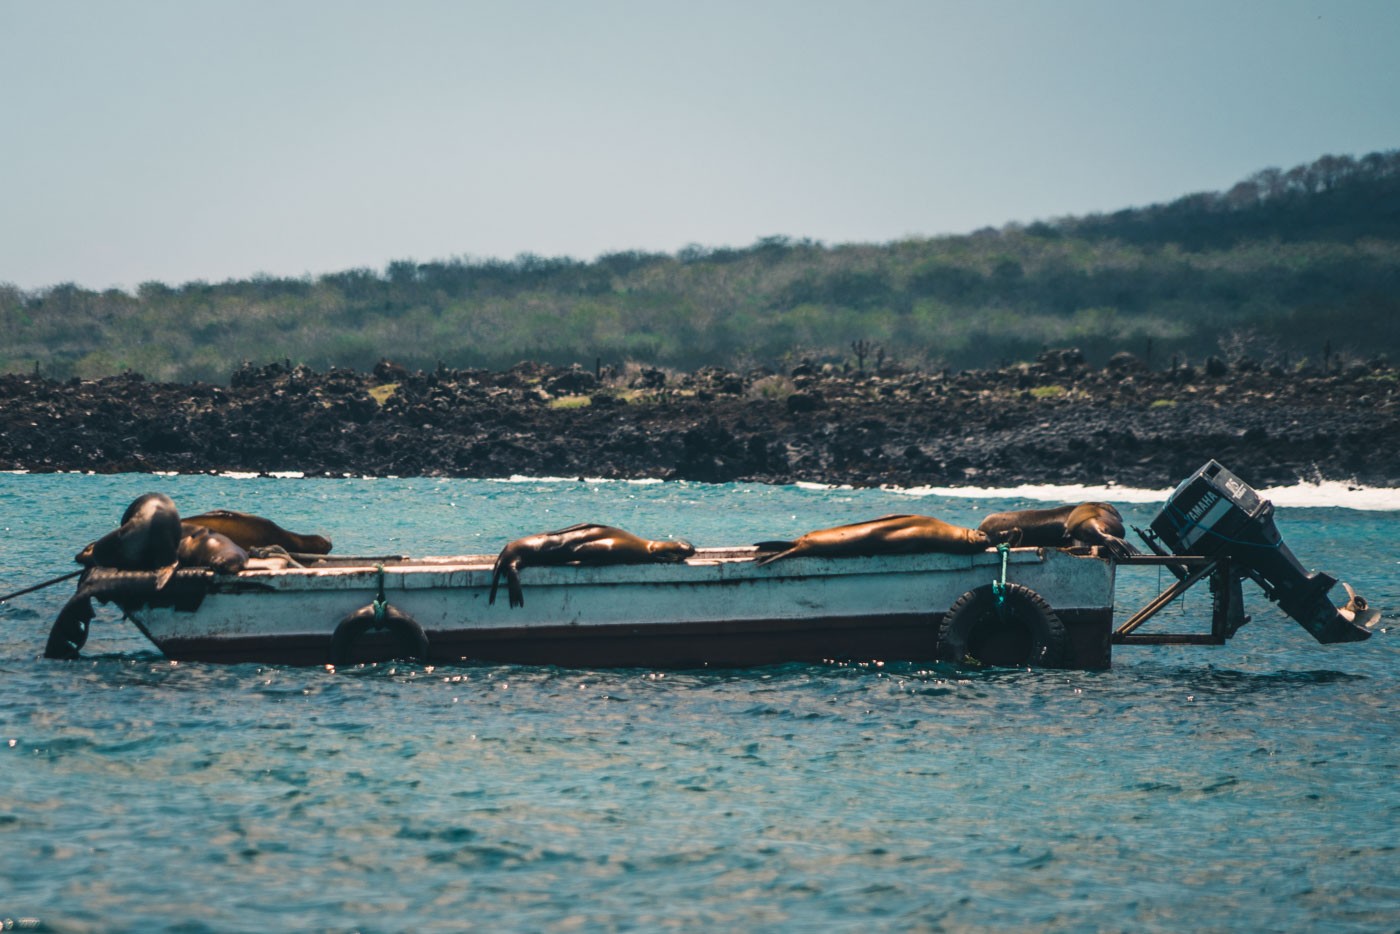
(177, 140)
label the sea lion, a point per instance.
(249, 531)
(580, 544)
(887, 535)
(1063, 526)
(147, 540)
(200, 547)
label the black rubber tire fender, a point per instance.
(412, 640)
(70, 630)
(1022, 630)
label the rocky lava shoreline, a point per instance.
(1054, 421)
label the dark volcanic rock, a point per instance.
(1055, 420)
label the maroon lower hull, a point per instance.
(906, 637)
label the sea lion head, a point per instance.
(313, 545)
(671, 550)
(202, 548)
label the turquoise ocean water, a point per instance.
(1250, 787)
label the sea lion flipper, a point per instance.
(508, 564)
(1011, 536)
(769, 559)
(164, 574)
(1120, 547)
(517, 595)
(577, 527)
(495, 580)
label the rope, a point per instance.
(56, 580)
(380, 603)
(999, 586)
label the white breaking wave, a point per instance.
(1049, 492)
(251, 474)
(521, 478)
(1334, 494)
(1327, 494)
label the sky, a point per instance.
(183, 140)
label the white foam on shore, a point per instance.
(1049, 492)
(521, 478)
(1327, 494)
(1335, 494)
(254, 475)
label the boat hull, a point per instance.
(716, 610)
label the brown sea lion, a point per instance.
(580, 544)
(250, 531)
(1063, 526)
(887, 535)
(147, 540)
(203, 548)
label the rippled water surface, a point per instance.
(1242, 788)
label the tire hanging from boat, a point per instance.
(70, 630)
(1020, 629)
(411, 640)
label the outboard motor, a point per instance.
(1216, 514)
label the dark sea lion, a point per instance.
(580, 544)
(250, 531)
(887, 535)
(1063, 526)
(147, 540)
(203, 548)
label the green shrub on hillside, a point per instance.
(1305, 262)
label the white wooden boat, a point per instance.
(717, 608)
(1010, 606)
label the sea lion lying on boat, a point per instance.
(1064, 526)
(201, 547)
(148, 539)
(249, 531)
(580, 544)
(887, 535)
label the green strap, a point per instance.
(380, 602)
(999, 586)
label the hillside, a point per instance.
(1285, 267)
